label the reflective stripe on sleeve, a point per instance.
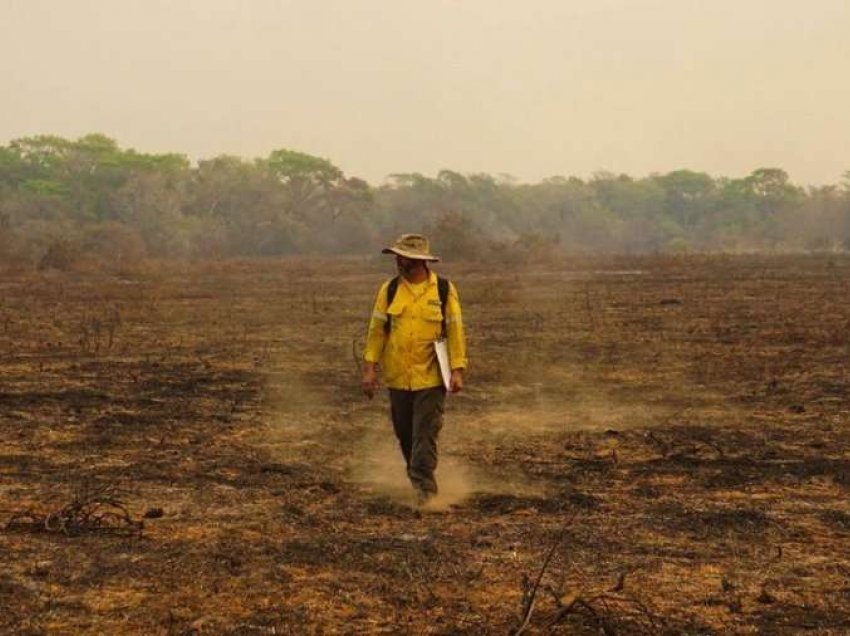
(379, 315)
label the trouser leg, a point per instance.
(401, 410)
(417, 419)
(427, 421)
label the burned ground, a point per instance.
(663, 439)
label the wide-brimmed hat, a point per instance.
(411, 246)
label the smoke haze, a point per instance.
(531, 89)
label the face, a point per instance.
(405, 266)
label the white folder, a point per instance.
(442, 351)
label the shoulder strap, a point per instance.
(443, 290)
(392, 288)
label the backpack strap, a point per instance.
(442, 290)
(392, 288)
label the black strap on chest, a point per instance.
(442, 289)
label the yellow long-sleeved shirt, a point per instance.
(406, 356)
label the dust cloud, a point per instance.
(354, 438)
(356, 442)
(378, 467)
(298, 420)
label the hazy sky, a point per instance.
(531, 88)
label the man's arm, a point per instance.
(376, 338)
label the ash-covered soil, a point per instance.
(646, 445)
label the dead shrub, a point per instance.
(94, 509)
(526, 249)
(61, 254)
(113, 243)
(454, 235)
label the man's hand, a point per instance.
(456, 381)
(369, 383)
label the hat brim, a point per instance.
(414, 255)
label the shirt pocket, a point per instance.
(432, 313)
(395, 310)
(432, 323)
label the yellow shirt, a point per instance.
(406, 356)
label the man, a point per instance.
(410, 314)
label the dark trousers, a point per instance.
(417, 420)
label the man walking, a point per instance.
(411, 312)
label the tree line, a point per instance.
(88, 196)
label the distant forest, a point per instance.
(64, 199)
